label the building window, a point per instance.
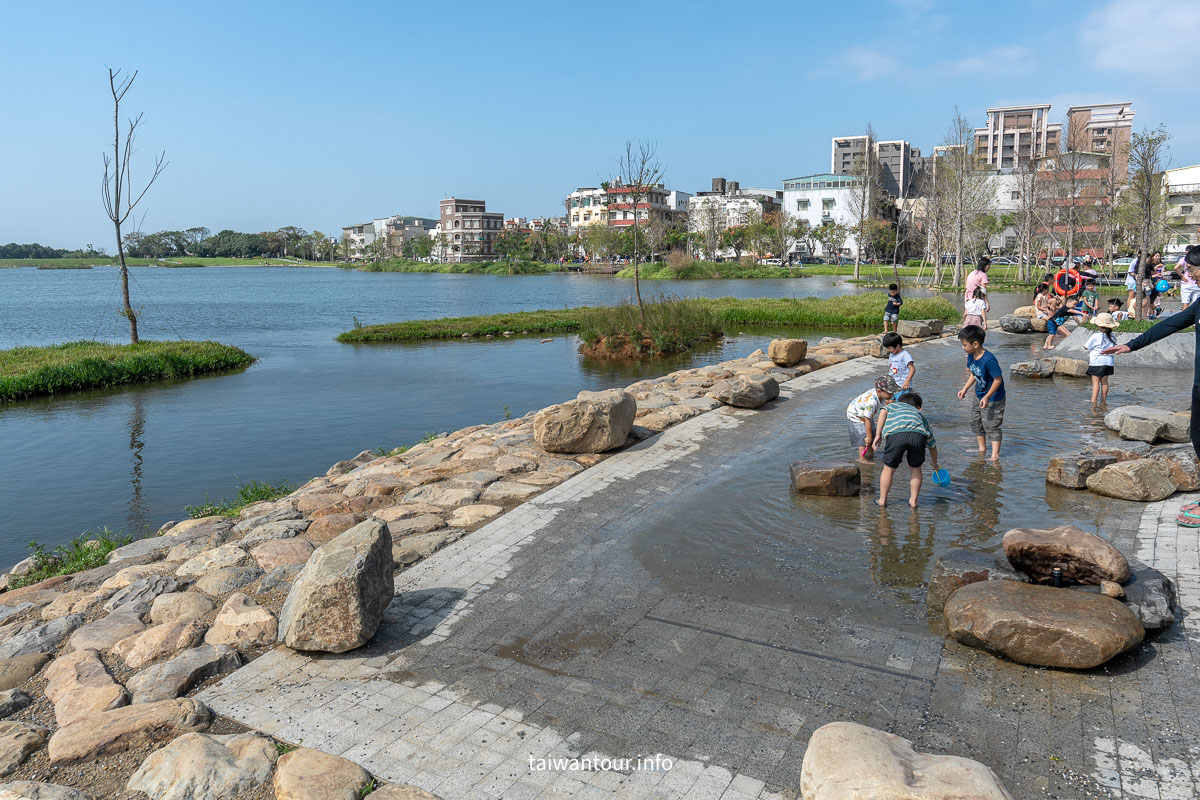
(575, 218)
(1016, 195)
(456, 223)
(827, 203)
(456, 237)
(1185, 209)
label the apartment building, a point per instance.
(1015, 134)
(620, 207)
(899, 163)
(470, 230)
(1103, 128)
(822, 198)
(1182, 186)
(587, 205)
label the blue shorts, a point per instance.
(1053, 324)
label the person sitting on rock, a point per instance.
(905, 434)
(861, 412)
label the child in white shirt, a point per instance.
(1100, 366)
(976, 310)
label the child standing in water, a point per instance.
(900, 362)
(860, 415)
(891, 311)
(1100, 366)
(905, 433)
(975, 310)
(987, 413)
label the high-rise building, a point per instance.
(899, 162)
(1102, 128)
(1014, 134)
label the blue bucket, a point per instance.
(941, 477)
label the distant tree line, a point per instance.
(288, 242)
(14, 250)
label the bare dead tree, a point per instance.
(968, 196)
(865, 196)
(642, 173)
(118, 193)
(1148, 158)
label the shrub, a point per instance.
(84, 552)
(670, 325)
(678, 261)
(250, 492)
(913, 262)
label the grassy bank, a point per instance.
(669, 326)
(189, 261)
(469, 268)
(73, 366)
(849, 311)
(84, 552)
(709, 270)
(249, 492)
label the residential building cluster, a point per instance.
(889, 178)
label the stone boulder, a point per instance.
(1041, 625)
(787, 352)
(177, 606)
(1014, 324)
(281, 552)
(41, 639)
(957, 568)
(137, 597)
(36, 790)
(285, 529)
(12, 701)
(1150, 595)
(1040, 368)
(1038, 325)
(744, 392)
(1072, 367)
(1182, 464)
(17, 741)
(592, 423)
(1072, 472)
(198, 765)
(18, 669)
(105, 632)
(126, 728)
(230, 579)
(466, 516)
(305, 774)
(1144, 480)
(174, 678)
(328, 526)
(831, 478)
(78, 684)
(500, 492)
(160, 641)
(913, 329)
(1026, 312)
(339, 598)
(1176, 429)
(227, 555)
(243, 623)
(1142, 430)
(1083, 557)
(1123, 451)
(279, 579)
(848, 761)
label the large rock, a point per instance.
(227, 555)
(745, 392)
(36, 790)
(1083, 557)
(466, 516)
(18, 669)
(958, 568)
(1144, 480)
(127, 728)
(1041, 625)
(1014, 324)
(1040, 368)
(1182, 464)
(412, 549)
(105, 632)
(1139, 429)
(1027, 312)
(41, 639)
(1173, 352)
(328, 526)
(1176, 425)
(279, 579)
(156, 547)
(1123, 451)
(134, 573)
(591, 423)
(179, 605)
(787, 352)
(199, 766)
(442, 495)
(17, 741)
(1150, 595)
(139, 595)
(159, 641)
(1072, 472)
(826, 478)
(242, 623)
(1073, 367)
(848, 761)
(175, 677)
(506, 490)
(284, 511)
(78, 684)
(305, 774)
(12, 701)
(230, 579)
(913, 329)
(338, 601)
(281, 552)
(285, 529)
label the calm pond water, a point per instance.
(131, 458)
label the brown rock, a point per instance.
(17, 741)
(466, 516)
(787, 352)
(412, 549)
(826, 478)
(1124, 451)
(176, 606)
(242, 623)
(78, 684)
(1111, 589)
(1144, 480)
(227, 555)
(312, 502)
(957, 568)
(1082, 556)
(281, 552)
(325, 528)
(1041, 625)
(127, 728)
(1072, 472)
(305, 774)
(1182, 465)
(15, 671)
(591, 423)
(32, 591)
(106, 631)
(1071, 367)
(160, 641)
(413, 525)
(1139, 429)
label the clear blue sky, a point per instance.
(322, 115)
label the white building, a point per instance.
(588, 206)
(678, 201)
(1183, 207)
(818, 199)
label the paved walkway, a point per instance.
(540, 638)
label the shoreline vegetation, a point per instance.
(27, 372)
(711, 270)
(847, 311)
(465, 268)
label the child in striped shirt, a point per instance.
(905, 433)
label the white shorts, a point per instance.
(1131, 283)
(1190, 294)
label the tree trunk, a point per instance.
(127, 309)
(637, 272)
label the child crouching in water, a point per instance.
(1100, 366)
(905, 433)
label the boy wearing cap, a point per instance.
(1100, 366)
(860, 415)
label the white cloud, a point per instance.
(1010, 59)
(1143, 36)
(867, 63)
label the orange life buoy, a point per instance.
(1067, 282)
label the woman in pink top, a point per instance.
(978, 278)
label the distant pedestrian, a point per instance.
(987, 413)
(891, 311)
(905, 434)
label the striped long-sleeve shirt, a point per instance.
(903, 417)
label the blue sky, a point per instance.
(322, 115)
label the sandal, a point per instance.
(1190, 506)
(1185, 521)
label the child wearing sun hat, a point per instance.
(1100, 366)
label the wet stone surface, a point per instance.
(677, 599)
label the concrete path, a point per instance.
(514, 661)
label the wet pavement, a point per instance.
(677, 600)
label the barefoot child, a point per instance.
(900, 363)
(861, 415)
(891, 311)
(987, 414)
(905, 433)
(1100, 366)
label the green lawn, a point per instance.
(708, 270)
(74, 366)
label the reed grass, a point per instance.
(709, 270)
(248, 492)
(669, 325)
(74, 366)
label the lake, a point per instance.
(132, 458)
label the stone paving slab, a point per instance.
(539, 639)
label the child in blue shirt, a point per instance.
(987, 415)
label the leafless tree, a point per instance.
(865, 196)
(1029, 209)
(710, 221)
(642, 173)
(967, 196)
(1148, 158)
(120, 197)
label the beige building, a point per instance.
(1103, 128)
(587, 205)
(1015, 134)
(898, 160)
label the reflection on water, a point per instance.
(137, 428)
(901, 550)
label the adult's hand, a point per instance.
(1120, 349)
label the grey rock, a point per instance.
(41, 639)
(744, 392)
(283, 529)
(36, 790)
(18, 669)
(1150, 595)
(174, 678)
(958, 568)
(1176, 424)
(198, 765)
(1173, 352)
(138, 596)
(1040, 368)
(92, 578)
(229, 579)
(914, 329)
(279, 579)
(1180, 460)
(1072, 471)
(1139, 429)
(591, 423)
(12, 701)
(106, 631)
(1016, 324)
(155, 546)
(285, 513)
(13, 610)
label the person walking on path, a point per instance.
(1161, 330)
